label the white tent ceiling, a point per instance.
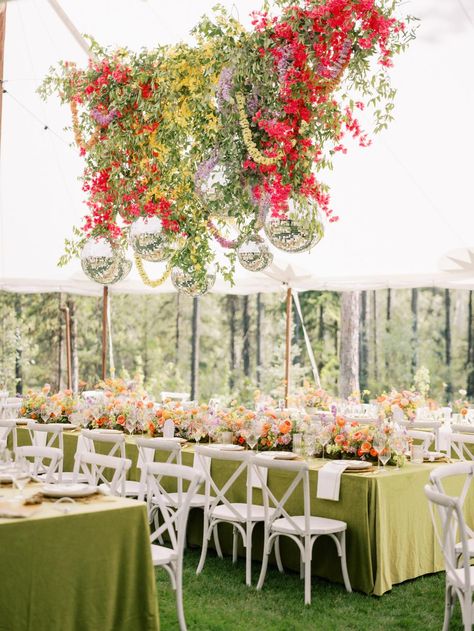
(404, 202)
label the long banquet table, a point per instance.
(87, 570)
(390, 538)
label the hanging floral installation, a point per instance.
(192, 148)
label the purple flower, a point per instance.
(204, 169)
(103, 119)
(224, 87)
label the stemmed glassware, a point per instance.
(310, 444)
(45, 412)
(131, 422)
(251, 437)
(324, 437)
(21, 476)
(384, 456)
(379, 444)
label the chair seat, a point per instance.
(161, 555)
(257, 513)
(198, 500)
(66, 478)
(317, 525)
(456, 577)
(470, 547)
(132, 488)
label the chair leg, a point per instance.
(466, 609)
(345, 575)
(205, 542)
(301, 567)
(179, 598)
(278, 555)
(217, 542)
(307, 571)
(266, 554)
(234, 545)
(448, 607)
(248, 554)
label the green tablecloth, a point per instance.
(90, 570)
(390, 538)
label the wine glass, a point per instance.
(324, 437)
(45, 412)
(384, 456)
(131, 423)
(21, 476)
(310, 444)
(251, 437)
(378, 444)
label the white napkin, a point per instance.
(148, 456)
(329, 480)
(254, 479)
(197, 464)
(168, 429)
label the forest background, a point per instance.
(239, 341)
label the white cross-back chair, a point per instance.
(442, 475)
(219, 509)
(47, 472)
(97, 468)
(426, 438)
(302, 529)
(10, 408)
(147, 447)
(466, 428)
(459, 572)
(7, 428)
(116, 447)
(458, 446)
(173, 522)
(429, 426)
(46, 434)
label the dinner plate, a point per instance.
(175, 439)
(69, 426)
(354, 464)
(6, 478)
(279, 455)
(107, 431)
(68, 490)
(226, 447)
(433, 455)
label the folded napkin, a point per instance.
(198, 466)
(329, 480)
(12, 511)
(254, 479)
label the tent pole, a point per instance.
(105, 301)
(288, 345)
(69, 24)
(67, 317)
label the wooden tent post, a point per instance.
(105, 301)
(67, 317)
(288, 345)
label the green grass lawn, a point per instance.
(218, 600)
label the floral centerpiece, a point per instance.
(407, 400)
(461, 405)
(316, 398)
(44, 407)
(182, 142)
(354, 441)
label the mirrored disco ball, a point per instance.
(254, 254)
(186, 283)
(99, 261)
(292, 235)
(149, 241)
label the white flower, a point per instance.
(462, 392)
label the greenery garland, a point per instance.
(276, 101)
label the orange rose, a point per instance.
(464, 411)
(365, 448)
(121, 419)
(340, 421)
(285, 427)
(373, 452)
(339, 439)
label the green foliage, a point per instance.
(145, 344)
